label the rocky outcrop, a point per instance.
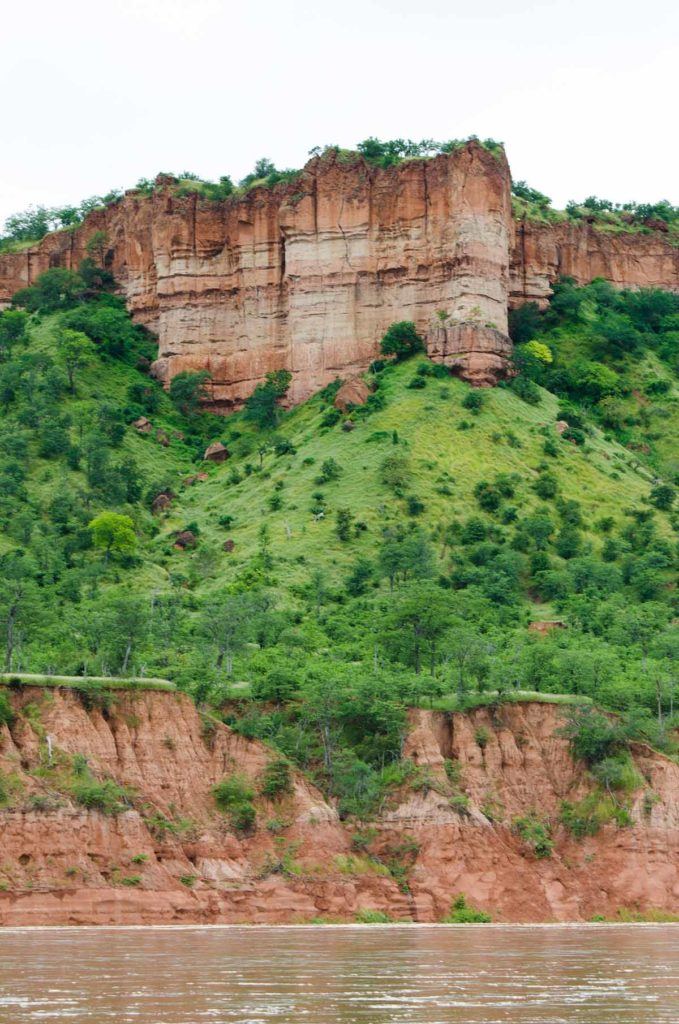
(173, 857)
(478, 354)
(353, 392)
(306, 276)
(541, 253)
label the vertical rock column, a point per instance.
(472, 340)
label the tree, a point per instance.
(262, 407)
(344, 522)
(120, 624)
(187, 390)
(538, 350)
(401, 340)
(227, 622)
(662, 496)
(18, 601)
(112, 532)
(76, 351)
(418, 622)
(57, 288)
(13, 323)
(524, 322)
(465, 648)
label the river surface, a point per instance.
(303, 975)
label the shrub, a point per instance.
(276, 779)
(526, 389)
(546, 486)
(473, 401)
(106, 796)
(372, 917)
(234, 796)
(330, 470)
(535, 834)
(592, 736)
(187, 391)
(462, 913)
(401, 340)
(344, 521)
(662, 496)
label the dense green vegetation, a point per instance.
(341, 567)
(662, 216)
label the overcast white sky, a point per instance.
(94, 96)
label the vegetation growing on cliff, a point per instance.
(531, 204)
(343, 566)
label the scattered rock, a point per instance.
(561, 426)
(177, 435)
(228, 545)
(216, 452)
(354, 391)
(143, 425)
(189, 481)
(161, 502)
(348, 426)
(162, 438)
(184, 540)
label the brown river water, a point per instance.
(303, 975)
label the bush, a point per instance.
(526, 389)
(473, 401)
(372, 917)
(462, 913)
(546, 486)
(276, 779)
(592, 736)
(401, 340)
(535, 834)
(234, 796)
(107, 796)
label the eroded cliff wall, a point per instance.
(307, 276)
(541, 253)
(173, 857)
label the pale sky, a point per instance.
(582, 92)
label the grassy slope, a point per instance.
(105, 380)
(507, 437)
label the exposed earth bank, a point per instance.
(173, 857)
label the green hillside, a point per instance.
(339, 567)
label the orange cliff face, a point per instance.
(541, 253)
(307, 276)
(173, 857)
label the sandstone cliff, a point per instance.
(541, 253)
(306, 276)
(172, 857)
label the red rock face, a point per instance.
(478, 354)
(307, 276)
(541, 253)
(67, 865)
